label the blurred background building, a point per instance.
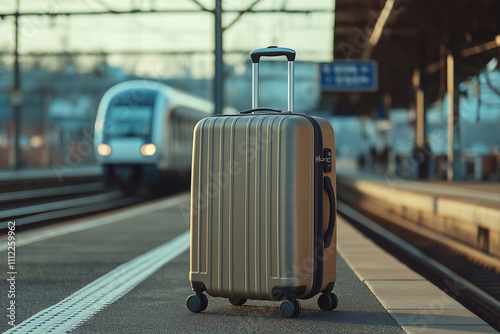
(435, 70)
(427, 52)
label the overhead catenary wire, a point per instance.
(165, 11)
(105, 5)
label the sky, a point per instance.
(311, 35)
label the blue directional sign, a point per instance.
(348, 76)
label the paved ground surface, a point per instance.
(158, 305)
(50, 270)
(53, 269)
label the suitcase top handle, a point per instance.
(249, 111)
(273, 51)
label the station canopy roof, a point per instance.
(418, 34)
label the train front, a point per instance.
(126, 138)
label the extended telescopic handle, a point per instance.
(273, 51)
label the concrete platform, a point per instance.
(467, 212)
(416, 304)
(377, 294)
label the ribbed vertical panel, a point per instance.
(273, 217)
(263, 198)
(231, 264)
(195, 199)
(211, 257)
(220, 244)
(268, 207)
(246, 201)
(257, 194)
(269, 267)
(247, 219)
(278, 202)
(202, 267)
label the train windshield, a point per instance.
(130, 114)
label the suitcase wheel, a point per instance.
(290, 308)
(237, 301)
(328, 301)
(205, 302)
(197, 303)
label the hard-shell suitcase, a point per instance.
(263, 205)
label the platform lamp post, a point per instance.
(16, 93)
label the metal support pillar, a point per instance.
(453, 121)
(419, 107)
(15, 94)
(218, 77)
(420, 117)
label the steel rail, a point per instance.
(59, 205)
(23, 195)
(115, 201)
(68, 213)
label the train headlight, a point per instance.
(104, 149)
(148, 150)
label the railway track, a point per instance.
(18, 197)
(473, 282)
(33, 208)
(30, 184)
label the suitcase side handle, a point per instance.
(331, 221)
(273, 51)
